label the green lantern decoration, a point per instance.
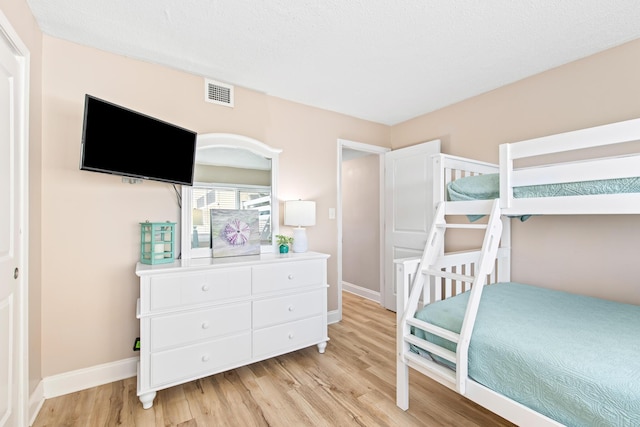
(157, 242)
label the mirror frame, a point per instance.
(229, 140)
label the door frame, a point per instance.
(23, 56)
(369, 149)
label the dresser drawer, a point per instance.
(174, 329)
(287, 275)
(173, 290)
(193, 361)
(290, 336)
(273, 311)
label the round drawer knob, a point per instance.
(205, 288)
(290, 276)
(291, 336)
(205, 325)
(290, 308)
(205, 358)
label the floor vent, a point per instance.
(218, 93)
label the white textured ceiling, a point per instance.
(381, 60)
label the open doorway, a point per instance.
(405, 209)
(360, 216)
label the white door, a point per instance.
(12, 214)
(408, 207)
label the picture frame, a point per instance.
(234, 232)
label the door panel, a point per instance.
(408, 207)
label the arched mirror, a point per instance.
(231, 172)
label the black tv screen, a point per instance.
(121, 141)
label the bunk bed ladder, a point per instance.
(428, 271)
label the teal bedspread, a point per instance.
(486, 187)
(575, 359)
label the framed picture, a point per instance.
(234, 232)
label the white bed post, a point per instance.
(504, 259)
(506, 172)
(406, 271)
(439, 184)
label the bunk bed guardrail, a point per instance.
(575, 164)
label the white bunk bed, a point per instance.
(444, 277)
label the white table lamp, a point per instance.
(299, 213)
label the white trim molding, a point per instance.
(361, 291)
(36, 400)
(81, 379)
(343, 144)
(334, 316)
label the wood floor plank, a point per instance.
(114, 413)
(58, 412)
(99, 414)
(175, 406)
(80, 401)
(351, 384)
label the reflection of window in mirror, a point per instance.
(231, 172)
(221, 196)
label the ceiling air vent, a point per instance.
(218, 93)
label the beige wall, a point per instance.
(588, 254)
(90, 231)
(361, 222)
(22, 21)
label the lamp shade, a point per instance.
(299, 213)
(197, 217)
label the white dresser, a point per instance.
(203, 316)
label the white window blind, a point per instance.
(230, 197)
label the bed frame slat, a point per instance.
(449, 275)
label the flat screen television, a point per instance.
(120, 141)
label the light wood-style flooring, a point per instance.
(352, 384)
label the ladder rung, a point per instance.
(425, 365)
(462, 226)
(432, 348)
(448, 275)
(435, 330)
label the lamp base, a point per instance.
(195, 243)
(300, 243)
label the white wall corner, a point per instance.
(81, 379)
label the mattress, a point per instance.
(575, 359)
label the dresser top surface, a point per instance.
(238, 261)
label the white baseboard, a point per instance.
(81, 379)
(363, 292)
(333, 317)
(36, 400)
